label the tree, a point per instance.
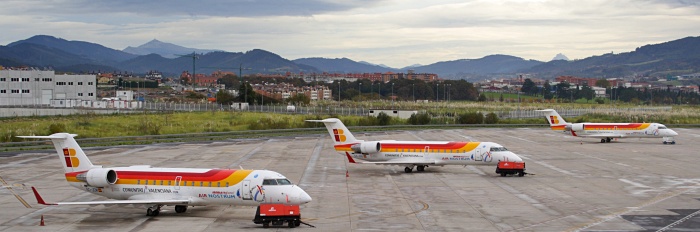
(246, 93)
(602, 82)
(299, 99)
(529, 87)
(224, 97)
(482, 97)
(587, 92)
(547, 88)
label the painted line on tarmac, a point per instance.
(19, 198)
(535, 203)
(250, 154)
(601, 159)
(627, 210)
(311, 165)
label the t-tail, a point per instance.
(339, 133)
(70, 154)
(556, 122)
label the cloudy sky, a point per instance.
(396, 33)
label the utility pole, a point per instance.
(194, 75)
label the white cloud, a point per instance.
(396, 33)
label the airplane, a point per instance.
(419, 154)
(153, 187)
(607, 131)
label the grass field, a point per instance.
(99, 126)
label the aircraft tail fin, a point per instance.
(556, 122)
(339, 133)
(68, 150)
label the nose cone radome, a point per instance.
(672, 132)
(514, 158)
(304, 197)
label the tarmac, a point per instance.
(574, 184)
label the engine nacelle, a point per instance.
(567, 128)
(99, 177)
(367, 147)
(578, 127)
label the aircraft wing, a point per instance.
(40, 200)
(400, 163)
(606, 136)
(351, 160)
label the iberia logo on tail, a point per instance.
(339, 135)
(554, 120)
(71, 160)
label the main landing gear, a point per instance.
(605, 140)
(153, 210)
(419, 168)
(180, 208)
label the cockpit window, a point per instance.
(498, 149)
(283, 182)
(276, 182)
(269, 182)
(662, 127)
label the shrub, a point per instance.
(57, 128)
(491, 118)
(383, 118)
(471, 118)
(419, 119)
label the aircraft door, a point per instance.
(177, 182)
(426, 155)
(245, 190)
(477, 155)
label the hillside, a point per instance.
(670, 58)
(167, 50)
(342, 65)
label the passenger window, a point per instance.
(201, 183)
(170, 182)
(138, 182)
(227, 184)
(209, 184)
(161, 182)
(218, 184)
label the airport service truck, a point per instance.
(510, 168)
(277, 215)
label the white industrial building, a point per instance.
(36, 87)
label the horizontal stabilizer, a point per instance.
(53, 136)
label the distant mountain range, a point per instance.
(164, 49)
(670, 58)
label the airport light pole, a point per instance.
(414, 92)
(359, 89)
(392, 95)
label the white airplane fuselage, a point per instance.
(437, 152)
(200, 186)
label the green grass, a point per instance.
(116, 125)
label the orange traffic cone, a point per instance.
(42, 220)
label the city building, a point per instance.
(37, 87)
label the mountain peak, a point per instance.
(165, 49)
(560, 57)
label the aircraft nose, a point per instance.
(304, 197)
(513, 157)
(672, 132)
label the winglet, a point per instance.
(39, 199)
(350, 157)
